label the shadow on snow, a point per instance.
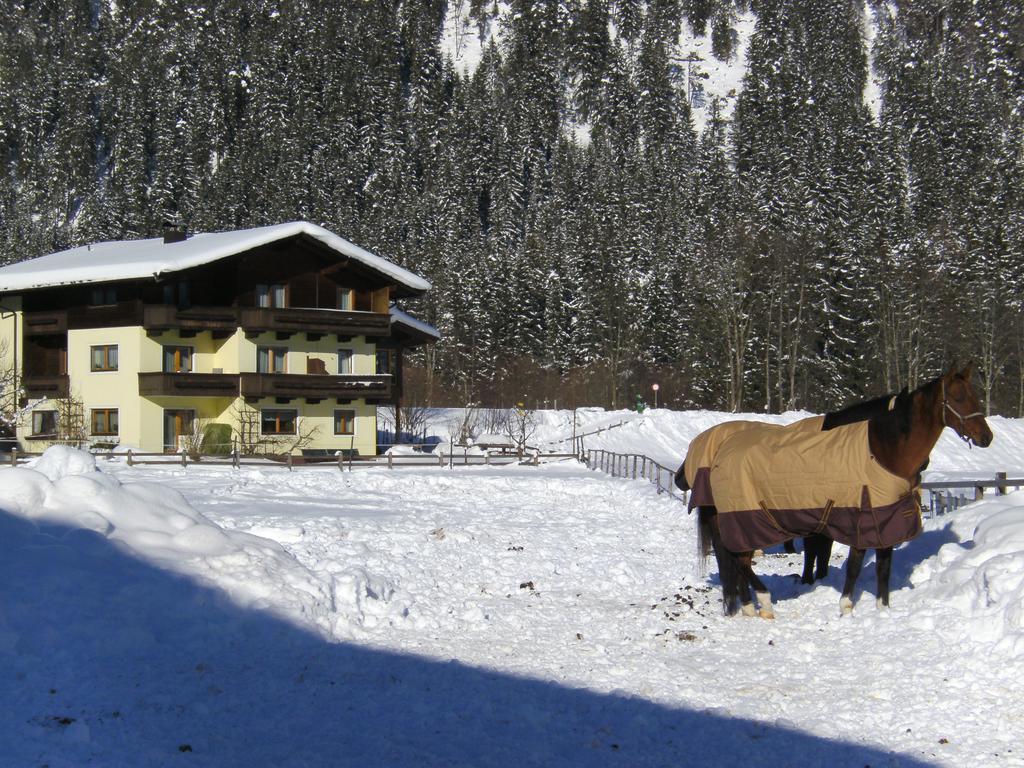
(111, 661)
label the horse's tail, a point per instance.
(706, 534)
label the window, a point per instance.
(345, 299)
(270, 295)
(178, 293)
(104, 358)
(271, 360)
(104, 421)
(103, 295)
(177, 359)
(345, 422)
(44, 422)
(386, 361)
(278, 422)
(345, 357)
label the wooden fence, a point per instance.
(635, 466)
(942, 496)
(342, 461)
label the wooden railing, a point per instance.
(635, 466)
(343, 459)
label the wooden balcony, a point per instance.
(164, 317)
(257, 385)
(159, 384)
(54, 386)
(46, 323)
(301, 320)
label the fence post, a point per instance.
(657, 472)
(234, 458)
(1001, 489)
(634, 466)
(391, 460)
(14, 457)
(289, 462)
(184, 456)
(129, 457)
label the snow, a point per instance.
(483, 616)
(401, 317)
(135, 259)
(720, 79)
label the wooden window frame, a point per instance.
(102, 417)
(38, 432)
(266, 412)
(271, 292)
(271, 354)
(103, 296)
(351, 357)
(390, 357)
(105, 366)
(177, 350)
(339, 421)
(346, 296)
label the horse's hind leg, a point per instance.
(764, 597)
(711, 541)
(883, 570)
(745, 596)
(729, 575)
(853, 566)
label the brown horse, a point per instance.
(898, 440)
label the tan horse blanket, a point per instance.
(771, 483)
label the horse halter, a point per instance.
(963, 419)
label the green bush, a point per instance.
(217, 439)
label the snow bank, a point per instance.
(983, 576)
(155, 523)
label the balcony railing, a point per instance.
(188, 384)
(46, 386)
(259, 385)
(255, 385)
(299, 320)
(263, 319)
(163, 317)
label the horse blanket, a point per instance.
(770, 483)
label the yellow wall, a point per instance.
(141, 420)
(10, 322)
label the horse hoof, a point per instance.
(882, 605)
(845, 606)
(766, 614)
(748, 610)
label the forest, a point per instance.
(585, 235)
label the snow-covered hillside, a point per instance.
(510, 616)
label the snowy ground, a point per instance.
(510, 616)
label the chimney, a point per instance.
(174, 234)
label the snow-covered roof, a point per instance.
(134, 259)
(400, 317)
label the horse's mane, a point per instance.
(857, 412)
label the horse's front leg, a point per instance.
(853, 566)
(883, 570)
(764, 597)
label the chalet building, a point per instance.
(286, 333)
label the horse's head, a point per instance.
(961, 409)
